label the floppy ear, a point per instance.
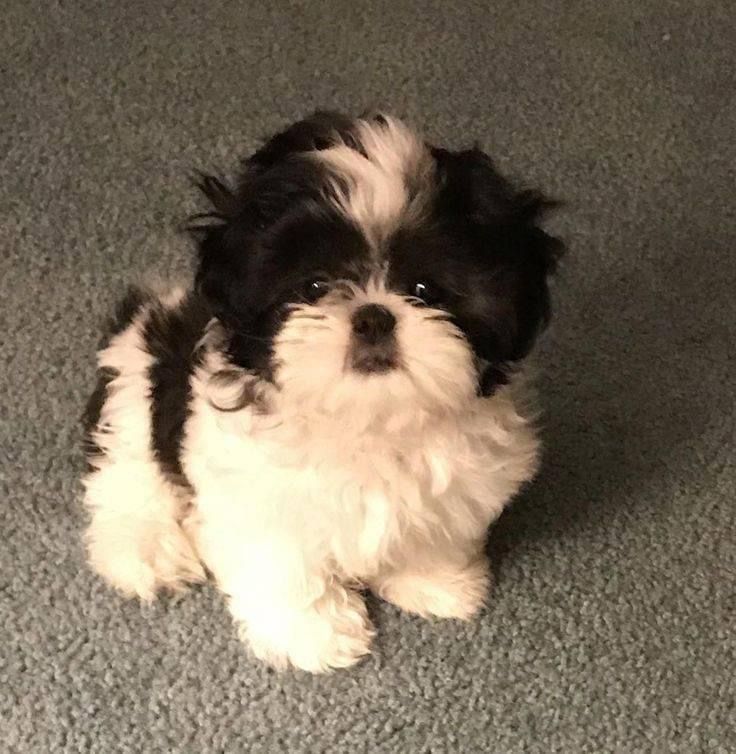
(219, 194)
(504, 223)
(510, 216)
(214, 233)
(222, 202)
(482, 193)
(320, 130)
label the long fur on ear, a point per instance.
(549, 248)
(221, 196)
(530, 208)
(223, 203)
(208, 229)
(533, 205)
(473, 174)
(320, 130)
(525, 208)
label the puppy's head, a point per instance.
(364, 271)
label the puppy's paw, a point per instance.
(445, 592)
(139, 560)
(335, 632)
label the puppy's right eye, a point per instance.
(314, 290)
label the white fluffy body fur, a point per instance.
(327, 481)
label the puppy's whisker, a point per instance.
(255, 338)
(439, 317)
(314, 327)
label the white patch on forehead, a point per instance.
(386, 184)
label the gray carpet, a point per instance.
(611, 628)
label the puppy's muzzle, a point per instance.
(373, 340)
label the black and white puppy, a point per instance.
(338, 401)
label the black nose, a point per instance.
(373, 323)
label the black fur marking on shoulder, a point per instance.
(127, 309)
(171, 336)
(91, 415)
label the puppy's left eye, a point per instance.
(427, 293)
(315, 289)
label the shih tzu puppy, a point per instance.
(337, 402)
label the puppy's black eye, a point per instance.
(427, 293)
(314, 290)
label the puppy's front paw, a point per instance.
(335, 632)
(139, 558)
(447, 591)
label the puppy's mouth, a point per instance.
(377, 359)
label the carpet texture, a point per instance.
(611, 627)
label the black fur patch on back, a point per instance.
(125, 312)
(91, 415)
(171, 336)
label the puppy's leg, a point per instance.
(332, 631)
(446, 587)
(135, 540)
(289, 613)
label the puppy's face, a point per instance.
(363, 271)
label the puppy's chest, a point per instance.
(374, 485)
(363, 502)
(347, 479)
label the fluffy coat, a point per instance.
(251, 427)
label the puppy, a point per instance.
(337, 403)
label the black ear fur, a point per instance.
(222, 200)
(321, 130)
(549, 248)
(484, 193)
(209, 229)
(493, 201)
(506, 220)
(220, 195)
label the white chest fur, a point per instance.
(360, 501)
